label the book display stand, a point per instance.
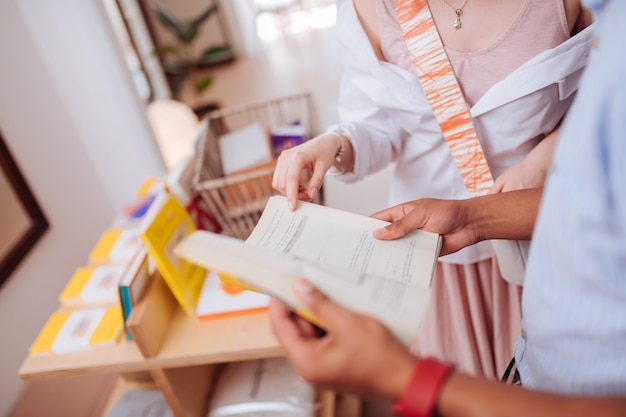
(177, 354)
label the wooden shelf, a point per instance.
(124, 357)
(176, 339)
(177, 354)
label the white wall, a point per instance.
(239, 24)
(76, 128)
(70, 115)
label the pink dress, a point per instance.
(474, 317)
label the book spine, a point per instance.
(127, 308)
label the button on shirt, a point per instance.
(574, 301)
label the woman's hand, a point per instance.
(521, 175)
(355, 354)
(315, 156)
(531, 172)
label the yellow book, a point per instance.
(166, 224)
(116, 245)
(150, 186)
(93, 286)
(79, 330)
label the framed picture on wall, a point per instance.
(22, 222)
(189, 38)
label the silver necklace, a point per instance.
(458, 11)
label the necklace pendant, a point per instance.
(457, 22)
(458, 11)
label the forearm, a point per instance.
(508, 215)
(465, 396)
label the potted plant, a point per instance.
(180, 62)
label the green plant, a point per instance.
(180, 62)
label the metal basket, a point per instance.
(237, 201)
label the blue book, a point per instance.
(133, 285)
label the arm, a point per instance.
(531, 172)
(359, 355)
(578, 17)
(373, 139)
(509, 215)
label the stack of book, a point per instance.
(100, 294)
(91, 312)
(138, 248)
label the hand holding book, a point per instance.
(335, 250)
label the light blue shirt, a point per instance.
(574, 300)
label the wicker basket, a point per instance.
(236, 201)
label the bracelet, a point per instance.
(342, 147)
(420, 396)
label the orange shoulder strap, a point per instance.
(444, 93)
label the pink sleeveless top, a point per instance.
(540, 25)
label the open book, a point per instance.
(336, 251)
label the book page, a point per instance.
(327, 247)
(340, 239)
(400, 306)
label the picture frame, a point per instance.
(189, 39)
(22, 221)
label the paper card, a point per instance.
(219, 298)
(244, 148)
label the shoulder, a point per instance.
(578, 17)
(367, 11)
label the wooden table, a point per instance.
(176, 353)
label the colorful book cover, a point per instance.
(79, 330)
(221, 299)
(92, 286)
(133, 285)
(166, 224)
(287, 136)
(131, 214)
(116, 245)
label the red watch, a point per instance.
(420, 396)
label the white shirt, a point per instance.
(574, 299)
(383, 109)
